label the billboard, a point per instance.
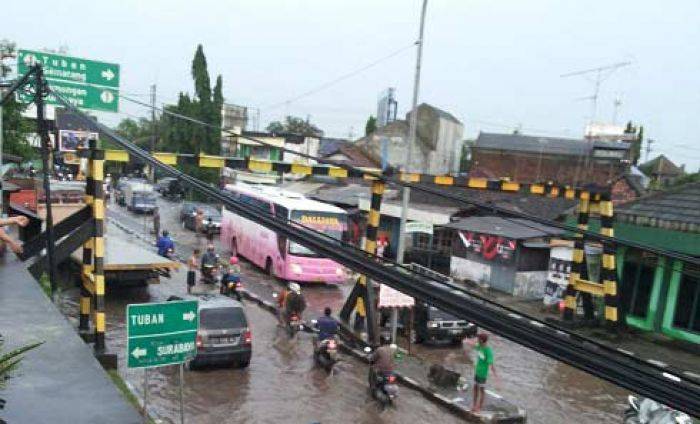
(69, 140)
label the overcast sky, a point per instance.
(493, 64)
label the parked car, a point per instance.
(188, 212)
(163, 183)
(430, 324)
(224, 337)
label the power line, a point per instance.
(461, 199)
(343, 77)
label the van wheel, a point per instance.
(234, 247)
(268, 268)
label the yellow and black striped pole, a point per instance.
(85, 296)
(97, 174)
(577, 258)
(368, 303)
(608, 272)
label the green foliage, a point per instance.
(15, 129)
(295, 125)
(371, 125)
(636, 144)
(9, 361)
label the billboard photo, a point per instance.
(69, 140)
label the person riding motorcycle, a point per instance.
(210, 262)
(327, 327)
(294, 303)
(165, 244)
(382, 361)
(231, 279)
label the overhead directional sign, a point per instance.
(85, 83)
(161, 333)
(72, 69)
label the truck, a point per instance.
(139, 197)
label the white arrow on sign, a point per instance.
(108, 74)
(189, 316)
(107, 96)
(139, 352)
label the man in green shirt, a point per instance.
(484, 361)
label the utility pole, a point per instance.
(154, 132)
(406, 192)
(45, 151)
(648, 149)
(400, 248)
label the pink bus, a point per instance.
(275, 254)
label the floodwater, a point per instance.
(282, 385)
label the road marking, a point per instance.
(657, 363)
(494, 394)
(672, 377)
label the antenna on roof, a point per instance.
(601, 74)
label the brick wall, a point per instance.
(622, 192)
(527, 168)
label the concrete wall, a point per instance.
(308, 147)
(436, 149)
(496, 275)
(530, 284)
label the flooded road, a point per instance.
(281, 384)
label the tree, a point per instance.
(295, 125)
(371, 125)
(636, 144)
(15, 128)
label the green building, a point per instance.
(661, 294)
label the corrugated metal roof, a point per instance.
(513, 228)
(547, 145)
(681, 204)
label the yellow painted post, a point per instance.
(608, 271)
(98, 244)
(577, 259)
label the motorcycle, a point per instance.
(383, 387)
(230, 288)
(647, 411)
(326, 352)
(209, 273)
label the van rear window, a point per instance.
(222, 318)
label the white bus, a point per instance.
(278, 256)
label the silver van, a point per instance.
(224, 337)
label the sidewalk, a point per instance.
(60, 381)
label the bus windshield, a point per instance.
(332, 224)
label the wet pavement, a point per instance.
(281, 384)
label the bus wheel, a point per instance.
(234, 247)
(268, 268)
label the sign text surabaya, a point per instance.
(79, 95)
(68, 68)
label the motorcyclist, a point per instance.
(209, 260)
(327, 327)
(164, 244)
(230, 280)
(382, 361)
(294, 302)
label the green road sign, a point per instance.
(79, 95)
(67, 68)
(161, 333)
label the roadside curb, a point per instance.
(428, 393)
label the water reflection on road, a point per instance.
(281, 384)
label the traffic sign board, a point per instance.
(67, 68)
(79, 95)
(161, 333)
